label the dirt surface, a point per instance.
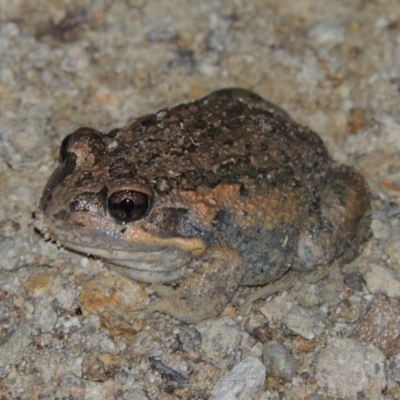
(66, 326)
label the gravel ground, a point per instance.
(334, 66)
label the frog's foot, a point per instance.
(204, 292)
(341, 224)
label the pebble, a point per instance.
(43, 284)
(394, 367)
(279, 361)
(116, 301)
(8, 254)
(219, 337)
(301, 321)
(382, 280)
(380, 230)
(354, 280)
(380, 325)
(347, 369)
(242, 382)
(45, 313)
(13, 345)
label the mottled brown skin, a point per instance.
(226, 191)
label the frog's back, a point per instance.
(230, 135)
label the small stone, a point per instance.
(8, 255)
(354, 280)
(101, 368)
(13, 345)
(220, 337)
(347, 368)
(379, 229)
(279, 361)
(107, 345)
(380, 326)
(262, 333)
(277, 307)
(67, 324)
(303, 322)
(383, 280)
(299, 320)
(93, 369)
(45, 313)
(394, 367)
(43, 283)
(117, 301)
(242, 382)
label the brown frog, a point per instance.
(224, 191)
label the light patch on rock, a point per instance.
(242, 382)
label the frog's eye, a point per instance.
(64, 147)
(128, 205)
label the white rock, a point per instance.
(108, 346)
(348, 368)
(279, 361)
(382, 280)
(301, 321)
(45, 313)
(275, 308)
(242, 382)
(380, 230)
(13, 345)
(219, 337)
(8, 254)
(391, 130)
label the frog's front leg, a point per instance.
(208, 286)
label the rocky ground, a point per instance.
(67, 330)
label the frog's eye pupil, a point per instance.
(128, 205)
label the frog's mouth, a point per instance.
(138, 255)
(154, 265)
(133, 252)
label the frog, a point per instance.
(200, 199)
